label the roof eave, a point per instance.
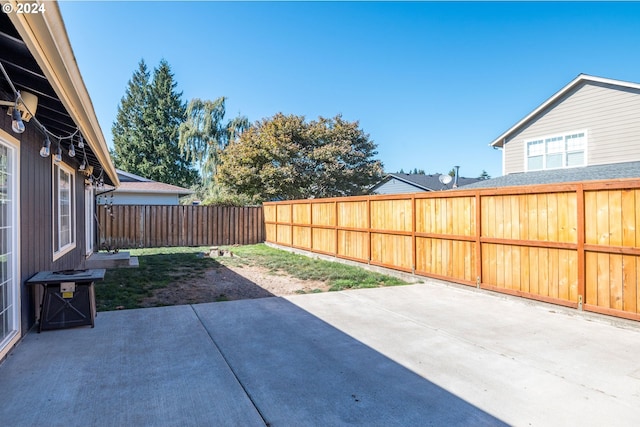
(47, 40)
(138, 178)
(140, 191)
(499, 141)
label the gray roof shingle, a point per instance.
(587, 173)
(426, 182)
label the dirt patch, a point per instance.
(228, 283)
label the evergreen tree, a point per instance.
(484, 175)
(165, 114)
(146, 128)
(129, 127)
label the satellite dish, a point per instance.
(445, 179)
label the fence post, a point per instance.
(369, 230)
(580, 250)
(478, 242)
(413, 234)
(311, 226)
(335, 221)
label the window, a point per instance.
(64, 238)
(556, 151)
(535, 153)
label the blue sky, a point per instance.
(431, 83)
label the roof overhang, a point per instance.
(388, 177)
(407, 181)
(499, 141)
(152, 187)
(121, 190)
(46, 38)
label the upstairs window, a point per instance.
(556, 151)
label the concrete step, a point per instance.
(121, 259)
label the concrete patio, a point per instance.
(425, 354)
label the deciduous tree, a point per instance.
(205, 133)
(285, 157)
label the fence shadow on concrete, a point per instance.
(300, 370)
(218, 364)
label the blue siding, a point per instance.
(395, 186)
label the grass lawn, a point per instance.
(159, 267)
(338, 276)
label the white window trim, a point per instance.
(60, 252)
(89, 213)
(564, 153)
(9, 342)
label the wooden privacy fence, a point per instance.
(132, 226)
(575, 244)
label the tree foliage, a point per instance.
(285, 157)
(204, 134)
(414, 171)
(484, 175)
(145, 133)
(129, 128)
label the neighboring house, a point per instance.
(592, 121)
(398, 183)
(46, 221)
(554, 176)
(136, 190)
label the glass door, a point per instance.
(9, 306)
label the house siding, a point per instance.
(610, 114)
(395, 186)
(36, 227)
(138, 199)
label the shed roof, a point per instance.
(132, 183)
(582, 78)
(131, 177)
(152, 187)
(424, 182)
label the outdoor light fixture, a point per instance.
(17, 125)
(21, 110)
(46, 144)
(58, 157)
(88, 169)
(83, 165)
